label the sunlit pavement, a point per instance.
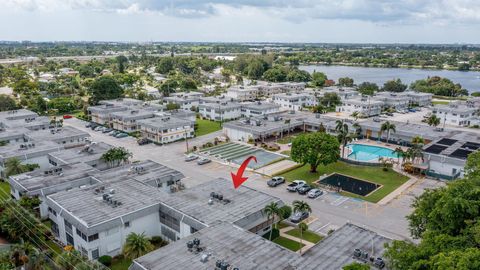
(330, 209)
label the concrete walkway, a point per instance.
(308, 245)
(276, 167)
(401, 189)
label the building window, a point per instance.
(126, 224)
(70, 239)
(82, 235)
(170, 221)
(93, 237)
(193, 230)
(95, 254)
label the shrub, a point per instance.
(157, 240)
(105, 260)
(275, 234)
(286, 211)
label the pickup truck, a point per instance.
(275, 181)
(295, 184)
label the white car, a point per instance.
(190, 157)
(292, 187)
(314, 193)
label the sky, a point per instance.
(329, 21)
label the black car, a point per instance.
(143, 141)
(299, 216)
(304, 189)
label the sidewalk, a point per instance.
(399, 191)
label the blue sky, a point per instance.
(372, 21)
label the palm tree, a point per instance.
(358, 129)
(388, 127)
(343, 135)
(136, 245)
(418, 140)
(400, 153)
(301, 206)
(37, 261)
(14, 166)
(272, 210)
(355, 115)
(433, 120)
(302, 227)
(116, 156)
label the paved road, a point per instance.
(330, 210)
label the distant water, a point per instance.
(469, 80)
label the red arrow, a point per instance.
(238, 179)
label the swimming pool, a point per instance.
(363, 152)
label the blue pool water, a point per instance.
(362, 152)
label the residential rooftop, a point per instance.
(237, 203)
(58, 134)
(166, 122)
(29, 149)
(244, 250)
(239, 248)
(85, 154)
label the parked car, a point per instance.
(389, 114)
(314, 193)
(143, 141)
(379, 263)
(107, 130)
(191, 157)
(112, 133)
(275, 181)
(121, 135)
(295, 184)
(299, 216)
(67, 116)
(302, 190)
(93, 126)
(98, 128)
(89, 124)
(203, 161)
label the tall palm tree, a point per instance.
(302, 227)
(355, 115)
(343, 135)
(400, 153)
(388, 127)
(358, 129)
(301, 206)
(272, 210)
(136, 245)
(418, 140)
(14, 166)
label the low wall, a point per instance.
(362, 163)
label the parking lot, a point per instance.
(330, 210)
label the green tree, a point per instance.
(433, 120)
(367, 88)
(438, 86)
(62, 104)
(172, 106)
(121, 61)
(7, 103)
(14, 166)
(116, 156)
(345, 81)
(165, 65)
(315, 149)
(394, 86)
(255, 69)
(136, 245)
(68, 259)
(302, 227)
(296, 75)
(330, 100)
(104, 88)
(388, 127)
(343, 135)
(275, 74)
(272, 211)
(318, 79)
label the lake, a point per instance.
(469, 80)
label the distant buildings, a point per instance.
(457, 113)
(166, 129)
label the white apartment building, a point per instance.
(254, 109)
(366, 106)
(393, 100)
(244, 93)
(294, 101)
(166, 129)
(127, 120)
(220, 111)
(456, 113)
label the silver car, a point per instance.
(191, 157)
(314, 193)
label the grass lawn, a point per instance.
(286, 152)
(440, 102)
(206, 126)
(120, 264)
(389, 179)
(282, 225)
(4, 190)
(287, 243)
(308, 235)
